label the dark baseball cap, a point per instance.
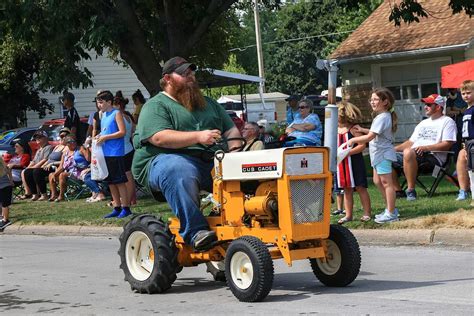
(68, 96)
(178, 65)
(40, 133)
(292, 97)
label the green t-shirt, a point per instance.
(161, 113)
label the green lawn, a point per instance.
(79, 212)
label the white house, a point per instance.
(107, 75)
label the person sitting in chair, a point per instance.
(174, 129)
(306, 128)
(436, 133)
(250, 132)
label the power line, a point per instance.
(289, 40)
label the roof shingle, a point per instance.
(377, 35)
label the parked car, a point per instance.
(237, 120)
(8, 138)
(52, 128)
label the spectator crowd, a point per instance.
(448, 126)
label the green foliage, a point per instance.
(307, 31)
(232, 66)
(18, 91)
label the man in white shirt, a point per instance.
(436, 133)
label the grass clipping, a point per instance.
(461, 219)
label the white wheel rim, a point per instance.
(241, 270)
(139, 255)
(333, 259)
(219, 265)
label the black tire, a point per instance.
(217, 272)
(152, 267)
(249, 252)
(343, 262)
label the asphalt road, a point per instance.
(80, 275)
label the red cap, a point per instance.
(434, 99)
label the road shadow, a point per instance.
(303, 285)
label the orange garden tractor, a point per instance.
(266, 205)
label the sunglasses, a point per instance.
(303, 107)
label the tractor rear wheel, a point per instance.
(249, 269)
(342, 263)
(148, 254)
(217, 269)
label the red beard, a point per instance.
(188, 94)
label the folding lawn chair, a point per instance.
(75, 189)
(18, 189)
(438, 173)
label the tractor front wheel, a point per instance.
(342, 264)
(148, 255)
(249, 269)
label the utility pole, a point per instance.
(258, 38)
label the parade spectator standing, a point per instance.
(455, 107)
(138, 101)
(351, 174)
(120, 103)
(41, 157)
(6, 190)
(251, 132)
(381, 150)
(436, 133)
(72, 120)
(292, 112)
(111, 138)
(306, 128)
(173, 130)
(467, 92)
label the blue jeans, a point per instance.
(91, 184)
(180, 178)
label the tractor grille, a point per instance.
(307, 200)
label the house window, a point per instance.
(410, 92)
(396, 92)
(429, 88)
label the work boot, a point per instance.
(203, 239)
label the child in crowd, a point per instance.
(351, 170)
(6, 188)
(111, 138)
(382, 152)
(467, 93)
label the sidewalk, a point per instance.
(463, 238)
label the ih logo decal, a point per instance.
(259, 167)
(304, 163)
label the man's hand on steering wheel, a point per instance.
(209, 137)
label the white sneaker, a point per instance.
(387, 218)
(462, 195)
(387, 212)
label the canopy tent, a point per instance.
(214, 78)
(453, 75)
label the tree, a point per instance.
(305, 32)
(140, 33)
(18, 93)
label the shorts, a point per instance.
(6, 196)
(469, 145)
(128, 160)
(426, 163)
(116, 168)
(383, 167)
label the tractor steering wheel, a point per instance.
(223, 144)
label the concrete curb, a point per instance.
(463, 238)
